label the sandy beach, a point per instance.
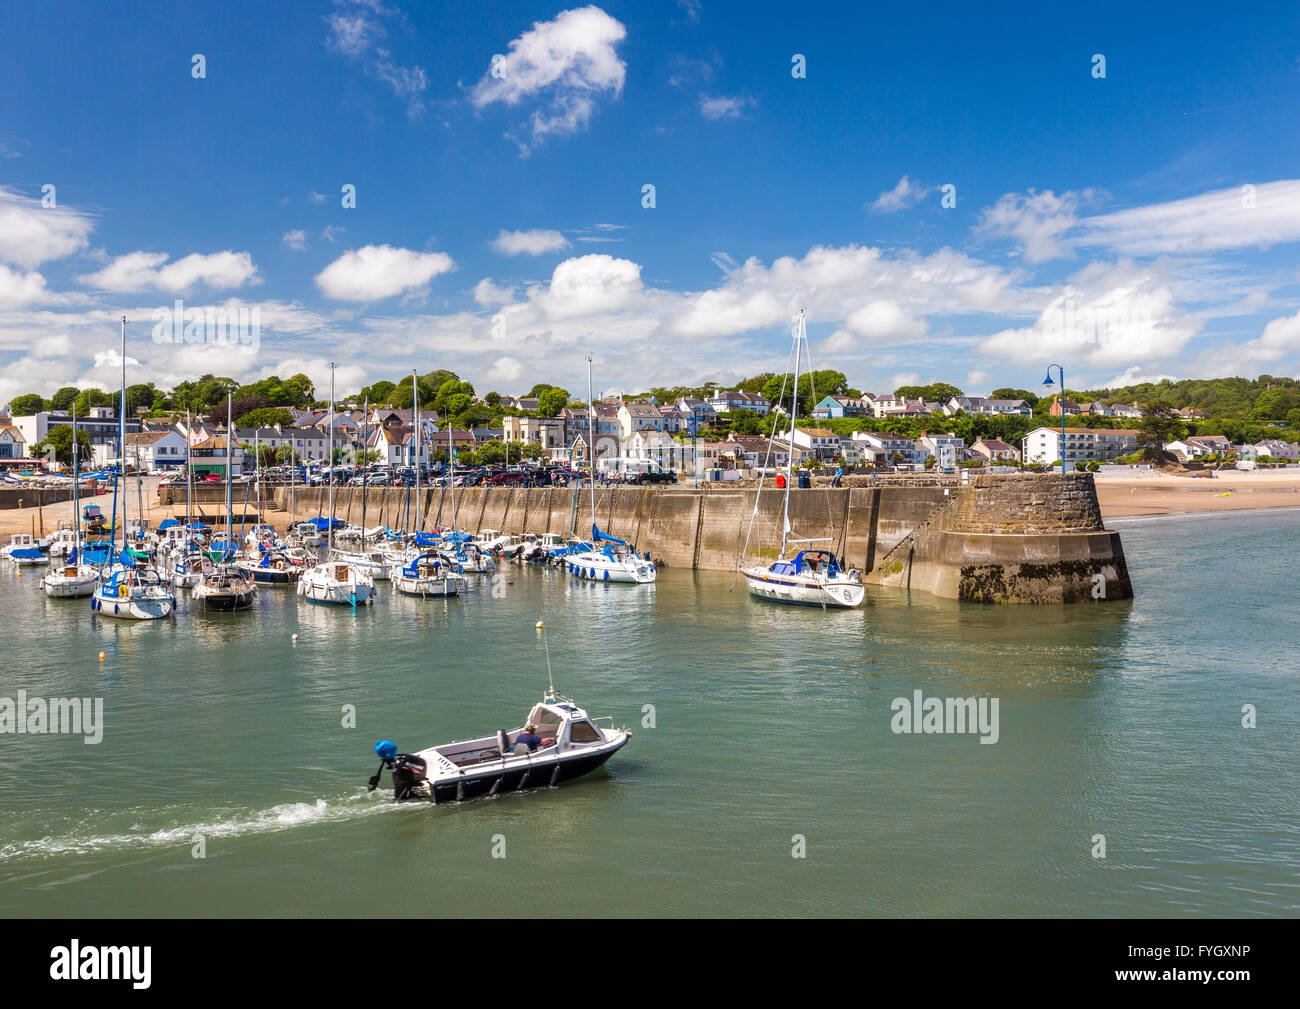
(1158, 494)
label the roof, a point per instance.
(148, 437)
(996, 444)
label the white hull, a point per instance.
(151, 607)
(322, 584)
(600, 568)
(60, 585)
(806, 590)
(441, 586)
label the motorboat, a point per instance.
(133, 593)
(427, 575)
(224, 588)
(23, 544)
(572, 745)
(811, 577)
(336, 582)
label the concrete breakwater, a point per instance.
(1006, 539)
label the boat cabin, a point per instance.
(810, 562)
(560, 719)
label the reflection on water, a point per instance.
(768, 721)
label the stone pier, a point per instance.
(1032, 538)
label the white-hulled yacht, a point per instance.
(811, 577)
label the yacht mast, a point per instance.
(591, 441)
(415, 418)
(76, 480)
(365, 466)
(230, 466)
(794, 415)
(330, 542)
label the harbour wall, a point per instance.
(1033, 538)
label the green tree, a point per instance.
(88, 398)
(748, 422)
(552, 401)
(936, 392)
(1160, 423)
(1009, 393)
(59, 441)
(64, 398)
(267, 416)
(381, 394)
(21, 406)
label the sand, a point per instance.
(1233, 490)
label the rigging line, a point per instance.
(762, 474)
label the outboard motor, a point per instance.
(410, 773)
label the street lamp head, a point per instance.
(1048, 380)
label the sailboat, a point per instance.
(812, 577)
(129, 591)
(609, 559)
(223, 586)
(335, 581)
(73, 579)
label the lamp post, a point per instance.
(1048, 383)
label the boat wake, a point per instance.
(285, 816)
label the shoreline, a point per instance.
(1161, 495)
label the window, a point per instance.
(583, 732)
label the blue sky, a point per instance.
(1130, 226)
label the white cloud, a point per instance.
(1135, 376)
(374, 272)
(505, 370)
(532, 243)
(296, 239)
(31, 234)
(724, 107)
(317, 198)
(566, 64)
(1105, 316)
(1038, 221)
(330, 231)
(20, 288)
(591, 284)
(489, 294)
(905, 194)
(1280, 338)
(143, 271)
(354, 29)
(1210, 222)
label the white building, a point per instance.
(155, 450)
(100, 426)
(1082, 444)
(726, 400)
(883, 447)
(947, 449)
(820, 442)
